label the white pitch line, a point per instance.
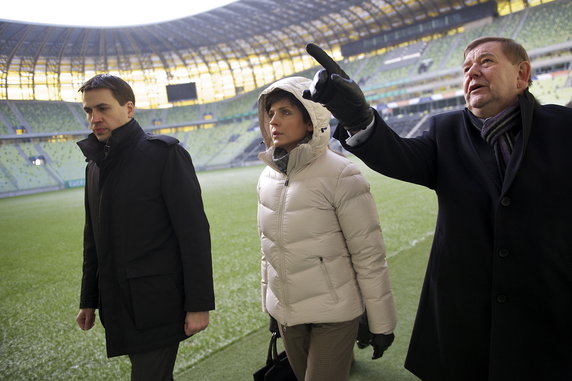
(410, 244)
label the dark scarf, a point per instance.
(500, 131)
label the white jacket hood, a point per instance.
(320, 116)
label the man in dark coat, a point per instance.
(496, 302)
(147, 252)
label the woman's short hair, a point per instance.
(278, 95)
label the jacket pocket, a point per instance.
(156, 300)
(329, 283)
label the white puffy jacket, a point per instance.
(323, 257)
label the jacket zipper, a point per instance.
(328, 280)
(282, 259)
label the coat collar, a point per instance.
(299, 157)
(94, 150)
(527, 104)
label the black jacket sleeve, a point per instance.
(409, 159)
(182, 196)
(89, 297)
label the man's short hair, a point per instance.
(514, 51)
(120, 89)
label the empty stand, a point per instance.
(407, 83)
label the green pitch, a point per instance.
(40, 272)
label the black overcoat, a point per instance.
(147, 250)
(496, 302)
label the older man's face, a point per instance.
(492, 82)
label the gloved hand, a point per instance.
(333, 88)
(273, 326)
(378, 341)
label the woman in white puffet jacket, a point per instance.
(323, 256)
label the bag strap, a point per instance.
(274, 341)
(272, 356)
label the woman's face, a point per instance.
(287, 124)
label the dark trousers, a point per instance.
(155, 365)
(319, 352)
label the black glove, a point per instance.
(378, 341)
(273, 326)
(333, 88)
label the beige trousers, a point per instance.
(320, 352)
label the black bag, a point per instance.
(277, 367)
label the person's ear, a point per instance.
(130, 109)
(524, 70)
(309, 127)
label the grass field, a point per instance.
(40, 271)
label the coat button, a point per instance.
(501, 298)
(505, 201)
(503, 253)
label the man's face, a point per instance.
(104, 113)
(492, 82)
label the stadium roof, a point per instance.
(244, 30)
(241, 20)
(107, 13)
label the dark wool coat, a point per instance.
(147, 257)
(496, 302)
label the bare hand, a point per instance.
(86, 318)
(196, 322)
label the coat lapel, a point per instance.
(527, 102)
(476, 151)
